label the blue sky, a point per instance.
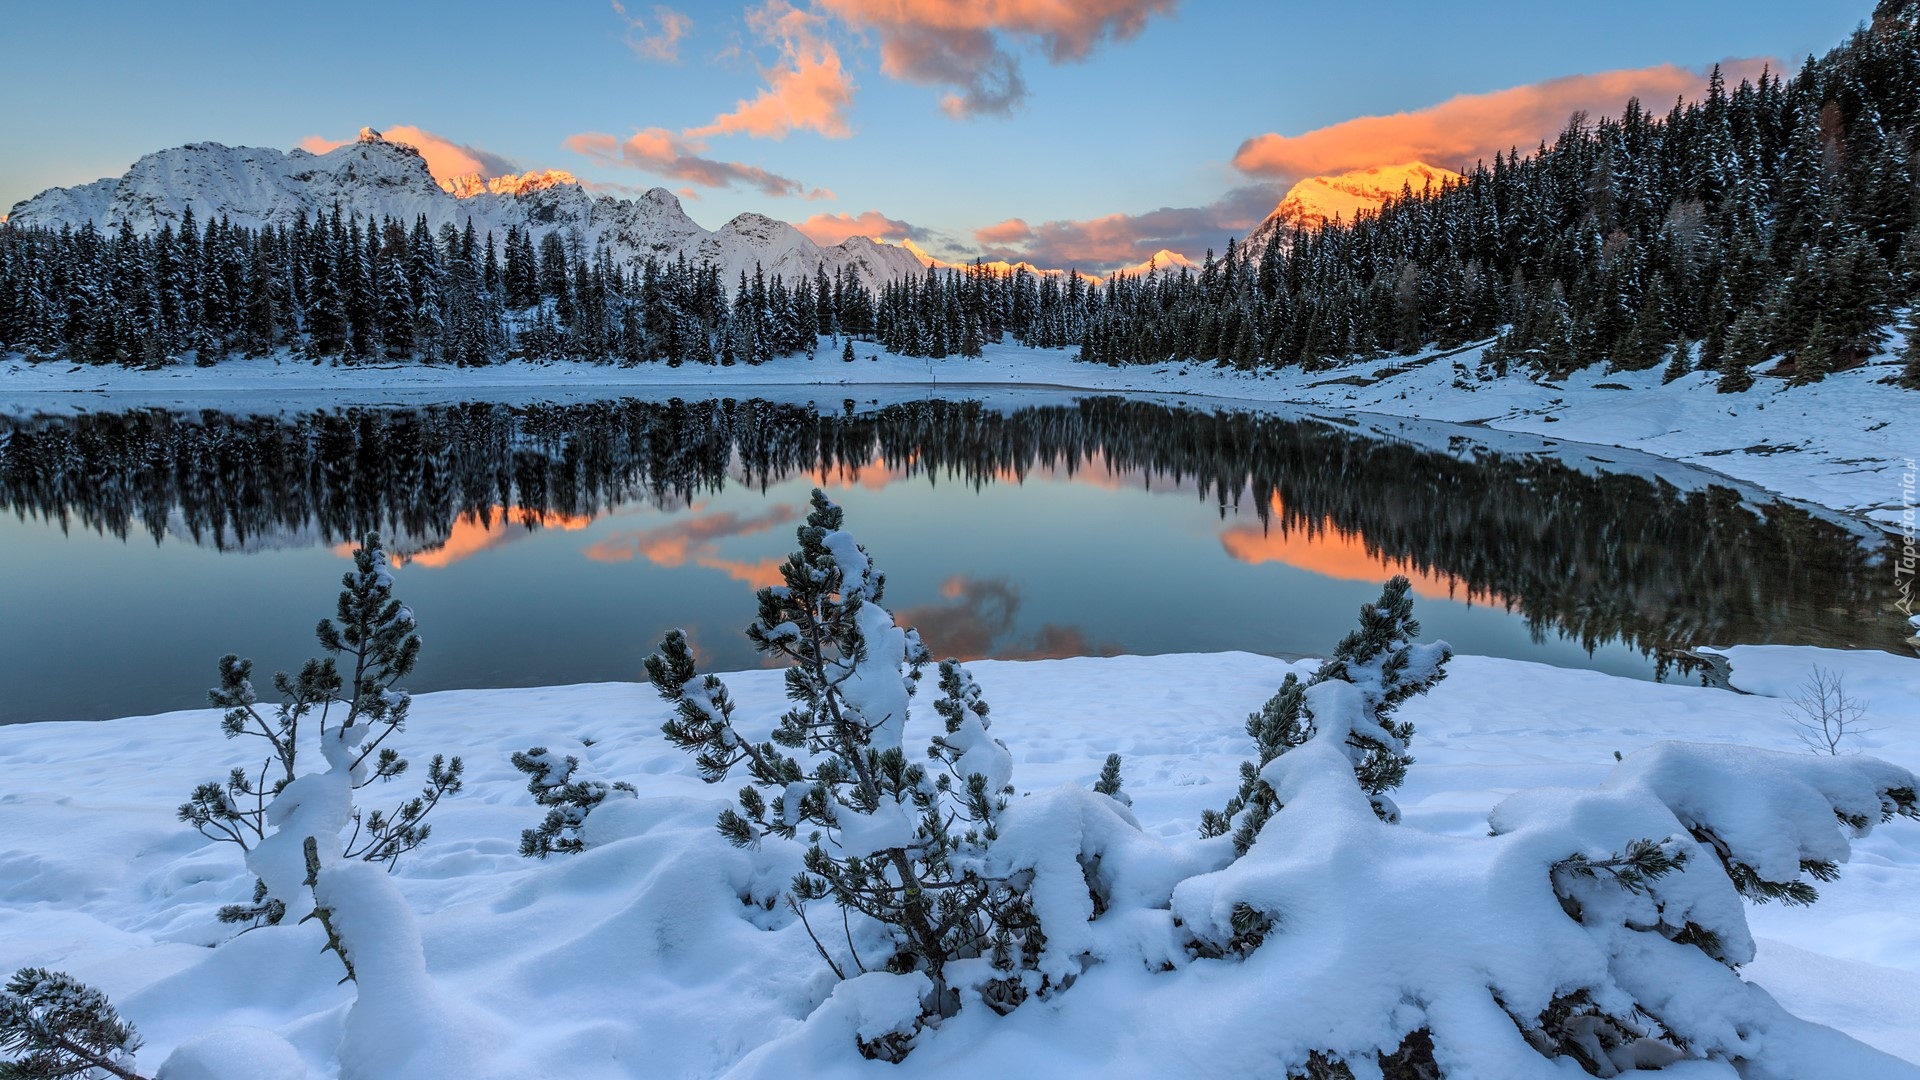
(1130, 106)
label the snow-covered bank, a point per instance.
(1843, 443)
(637, 958)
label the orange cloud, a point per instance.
(963, 43)
(808, 91)
(480, 531)
(662, 40)
(1323, 549)
(1471, 127)
(873, 475)
(757, 575)
(830, 229)
(661, 152)
(446, 159)
(696, 539)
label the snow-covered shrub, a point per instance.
(888, 837)
(1600, 928)
(376, 638)
(54, 1027)
(569, 791)
(1383, 667)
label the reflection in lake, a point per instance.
(554, 543)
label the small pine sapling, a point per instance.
(54, 1027)
(559, 784)
(1380, 661)
(1110, 782)
(884, 836)
(376, 638)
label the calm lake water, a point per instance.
(543, 544)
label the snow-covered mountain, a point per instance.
(376, 177)
(1163, 260)
(1315, 201)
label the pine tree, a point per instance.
(1910, 351)
(1746, 346)
(1384, 668)
(375, 636)
(62, 1029)
(886, 837)
(560, 783)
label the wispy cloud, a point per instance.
(807, 90)
(662, 153)
(1471, 127)
(967, 44)
(657, 38)
(1099, 244)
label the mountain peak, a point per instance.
(1318, 200)
(368, 134)
(526, 183)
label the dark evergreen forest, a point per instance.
(1770, 227)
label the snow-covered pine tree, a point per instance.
(55, 1027)
(569, 792)
(1910, 349)
(886, 836)
(375, 635)
(1110, 781)
(1382, 664)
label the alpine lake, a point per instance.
(555, 542)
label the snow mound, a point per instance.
(234, 1053)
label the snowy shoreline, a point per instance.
(606, 963)
(1842, 444)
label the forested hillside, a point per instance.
(1767, 227)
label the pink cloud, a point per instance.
(808, 90)
(1112, 241)
(446, 159)
(1471, 127)
(662, 153)
(963, 44)
(830, 229)
(658, 40)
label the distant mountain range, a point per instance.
(375, 177)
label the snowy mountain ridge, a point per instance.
(375, 177)
(1318, 200)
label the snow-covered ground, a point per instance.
(1842, 444)
(637, 958)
